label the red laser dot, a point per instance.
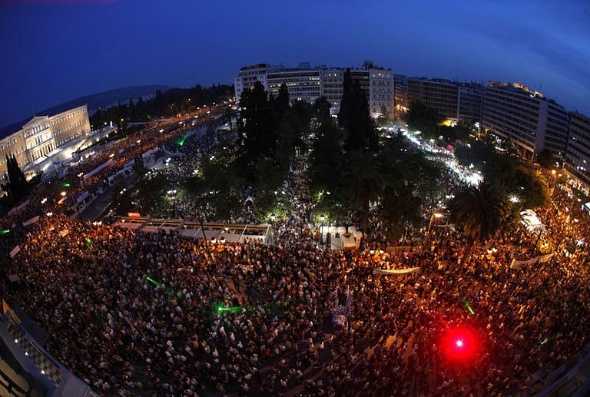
(461, 345)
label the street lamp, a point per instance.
(322, 219)
(435, 215)
(514, 199)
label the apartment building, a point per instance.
(578, 147)
(470, 103)
(309, 83)
(526, 117)
(440, 95)
(303, 84)
(400, 94)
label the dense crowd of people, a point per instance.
(138, 313)
(172, 316)
(59, 195)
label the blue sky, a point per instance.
(56, 50)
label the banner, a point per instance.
(15, 210)
(540, 259)
(396, 271)
(34, 219)
(15, 251)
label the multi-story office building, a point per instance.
(308, 84)
(526, 117)
(400, 91)
(303, 84)
(376, 83)
(578, 147)
(556, 129)
(332, 86)
(248, 76)
(381, 92)
(42, 135)
(440, 95)
(470, 102)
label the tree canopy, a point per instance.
(163, 104)
(354, 117)
(16, 184)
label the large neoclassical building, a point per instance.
(42, 136)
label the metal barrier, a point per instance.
(35, 360)
(242, 232)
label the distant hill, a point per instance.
(95, 101)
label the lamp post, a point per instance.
(322, 219)
(435, 215)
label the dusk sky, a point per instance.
(56, 50)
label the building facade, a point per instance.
(578, 147)
(332, 85)
(303, 84)
(381, 92)
(400, 94)
(556, 129)
(308, 84)
(42, 135)
(440, 95)
(248, 76)
(526, 117)
(470, 102)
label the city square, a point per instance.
(302, 231)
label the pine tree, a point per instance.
(257, 132)
(355, 118)
(346, 103)
(282, 101)
(16, 185)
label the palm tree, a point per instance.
(478, 211)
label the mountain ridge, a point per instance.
(94, 101)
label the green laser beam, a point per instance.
(4, 232)
(181, 141)
(67, 184)
(220, 309)
(468, 307)
(151, 280)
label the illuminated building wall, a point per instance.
(381, 92)
(470, 102)
(578, 147)
(526, 117)
(307, 83)
(248, 76)
(556, 129)
(440, 95)
(332, 80)
(42, 135)
(302, 84)
(400, 91)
